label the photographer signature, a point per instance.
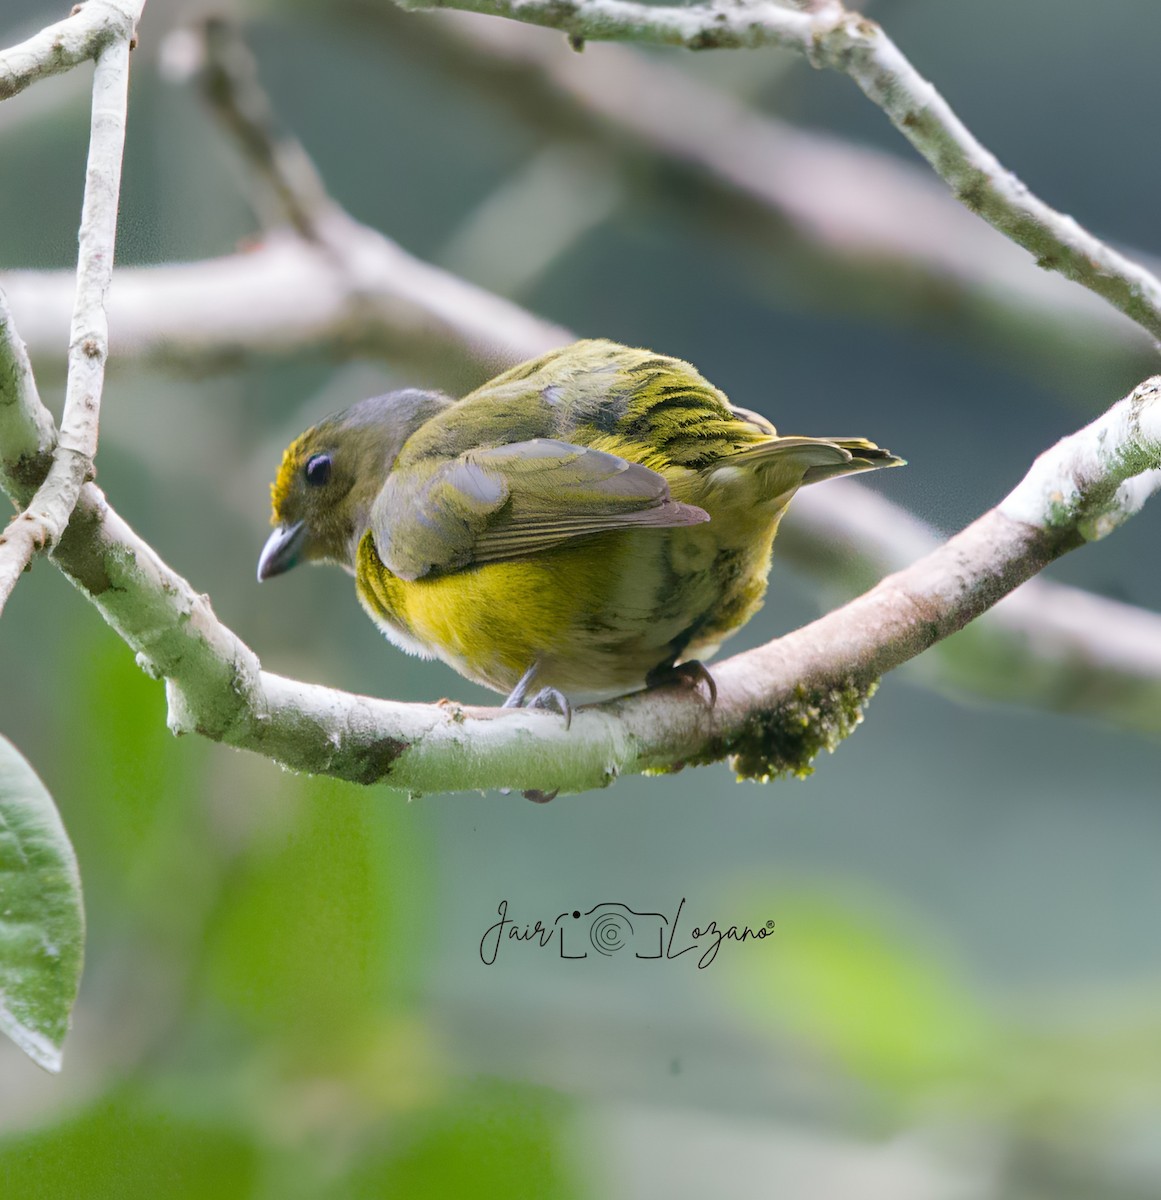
(611, 927)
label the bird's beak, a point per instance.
(282, 550)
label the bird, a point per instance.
(588, 523)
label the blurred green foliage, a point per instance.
(283, 994)
(495, 1142)
(871, 993)
(126, 1146)
(862, 993)
(255, 962)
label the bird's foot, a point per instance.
(547, 697)
(690, 675)
(555, 700)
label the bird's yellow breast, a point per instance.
(490, 621)
(597, 614)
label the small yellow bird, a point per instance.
(588, 523)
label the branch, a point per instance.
(82, 35)
(286, 296)
(812, 214)
(336, 283)
(48, 513)
(229, 80)
(1048, 645)
(875, 233)
(27, 430)
(777, 706)
(1038, 631)
(829, 35)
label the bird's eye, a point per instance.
(318, 469)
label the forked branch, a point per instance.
(109, 32)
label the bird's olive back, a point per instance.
(645, 407)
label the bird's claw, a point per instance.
(546, 697)
(534, 794)
(555, 700)
(690, 675)
(549, 698)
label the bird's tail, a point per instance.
(792, 462)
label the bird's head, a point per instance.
(330, 476)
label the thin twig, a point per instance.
(44, 520)
(831, 36)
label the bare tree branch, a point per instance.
(777, 706)
(1047, 645)
(335, 283)
(814, 215)
(82, 35)
(831, 36)
(27, 430)
(47, 515)
(858, 227)
(228, 75)
(286, 295)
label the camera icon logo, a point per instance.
(610, 928)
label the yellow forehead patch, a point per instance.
(281, 487)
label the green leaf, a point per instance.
(42, 921)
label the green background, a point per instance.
(283, 994)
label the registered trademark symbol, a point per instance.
(769, 924)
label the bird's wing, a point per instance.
(509, 501)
